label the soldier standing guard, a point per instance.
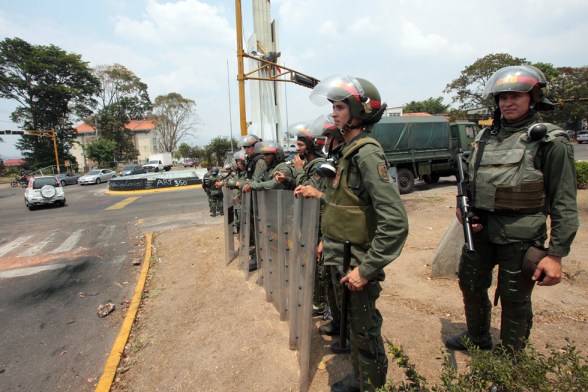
(363, 206)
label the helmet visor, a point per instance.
(520, 79)
(336, 88)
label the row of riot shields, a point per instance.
(285, 230)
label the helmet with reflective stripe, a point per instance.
(522, 79)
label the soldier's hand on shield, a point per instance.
(319, 251)
(279, 176)
(246, 188)
(307, 191)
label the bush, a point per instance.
(563, 369)
(582, 174)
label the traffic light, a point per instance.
(8, 132)
(304, 80)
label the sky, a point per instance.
(409, 49)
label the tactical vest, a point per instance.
(346, 216)
(206, 181)
(507, 179)
(250, 167)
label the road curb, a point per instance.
(105, 382)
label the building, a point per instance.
(143, 137)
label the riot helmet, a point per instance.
(248, 140)
(521, 79)
(271, 147)
(214, 171)
(301, 131)
(324, 126)
(361, 95)
(239, 155)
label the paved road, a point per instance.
(57, 265)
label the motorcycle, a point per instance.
(19, 181)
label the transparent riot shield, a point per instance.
(229, 215)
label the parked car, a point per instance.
(43, 191)
(96, 176)
(189, 163)
(582, 137)
(67, 178)
(132, 169)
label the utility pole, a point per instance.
(267, 61)
(38, 133)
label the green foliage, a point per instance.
(52, 88)
(582, 174)
(565, 89)
(217, 148)
(102, 151)
(564, 369)
(469, 86)
(430, 105)
(123, 96)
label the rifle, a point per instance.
(345, 297)
(463, 192)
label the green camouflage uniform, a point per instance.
(513, 215)
(362, 205)
(216, 195)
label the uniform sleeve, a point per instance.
(559, 173)
(392, 222)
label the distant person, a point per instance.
(207, 186)
(216, 192)
(363, 206)
(277, 173)
(521, 171)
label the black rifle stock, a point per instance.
(463, 203)
(345, 296)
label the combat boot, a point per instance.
(458, 342)
(348, 384)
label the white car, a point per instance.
(96, 176)
(582, 137)
(42, 191)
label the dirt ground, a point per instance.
(204, 327)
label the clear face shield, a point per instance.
(336, 88)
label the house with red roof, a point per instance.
(143, 138)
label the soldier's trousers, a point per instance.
(475, 278)
(217, 202)
(368, 354)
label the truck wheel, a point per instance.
(431, 178)
(405, 181)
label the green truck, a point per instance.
(422, 147)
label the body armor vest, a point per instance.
(206, 180)
(507, 179)
(250, 166)
(346, 216)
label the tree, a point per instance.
(569, 90)
(123, 96)
(176, 119)
(52, 88)
(469, 86)
(431, 106)
(185, 150)
(217, 149)
(102, 151)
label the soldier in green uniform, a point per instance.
(521, 171)
(363, 206)
(216, 192)
(277, 173)
(207, 185)
(238, 175)
(254, 168)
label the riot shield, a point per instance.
(229, 215)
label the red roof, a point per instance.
(133, 125)
(14, 162)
